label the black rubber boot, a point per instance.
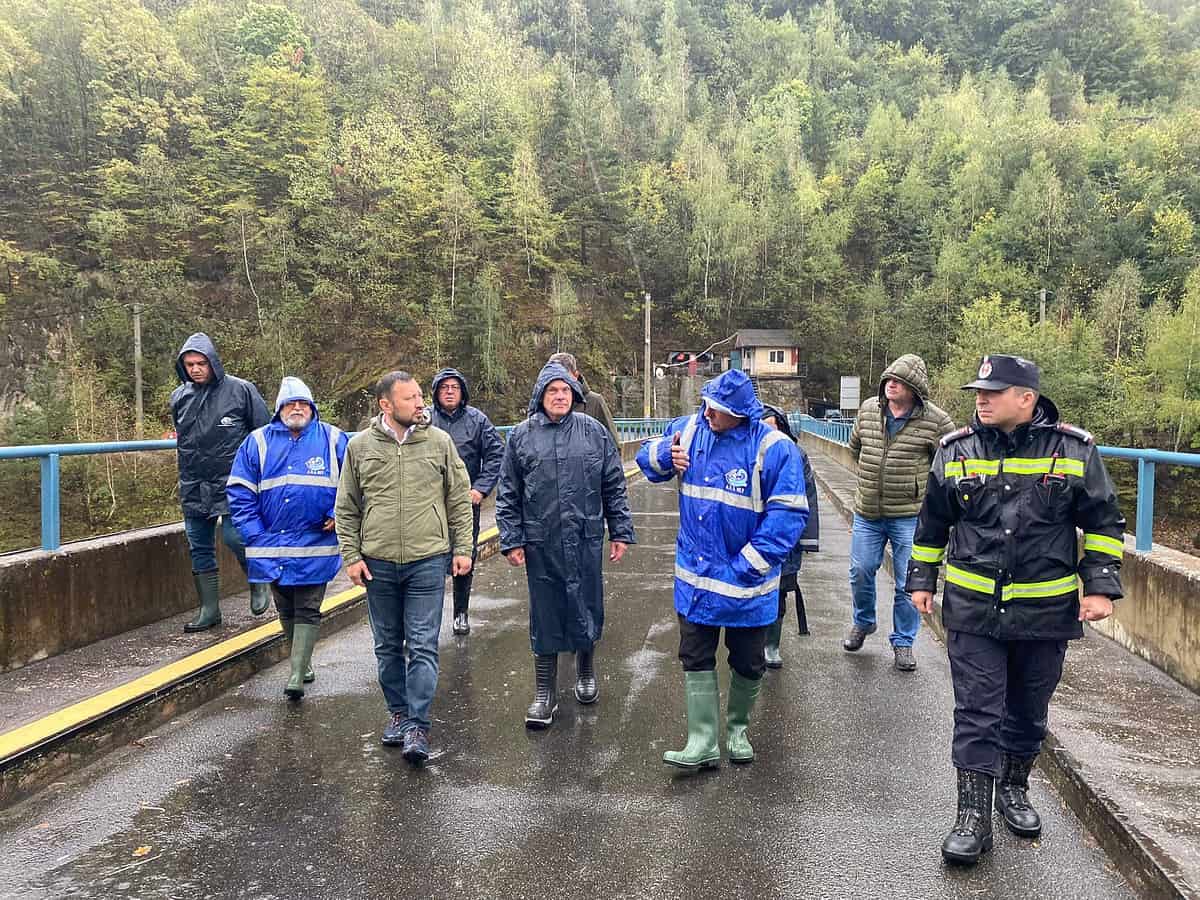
(971, 835)
(462, 600)
(1012, 796)
(771, 655)
(545, 696)
(586, 689)
(801, 617)
(208, 586)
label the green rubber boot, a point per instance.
(304, 638)
(703, 751)
(771, 650)
(287, 624)
(260, 598)
(208, 586)
(742, 694)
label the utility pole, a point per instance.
(1042, 306)
(646, 372)
(137, 370)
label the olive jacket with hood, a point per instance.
(475, 437)
(211, 421)
(281, 492)
(403, 499)
(559, 484)
(892, 470)
(1001, 511)
(742, 507)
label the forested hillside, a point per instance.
(332, 189)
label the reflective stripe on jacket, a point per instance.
(281, 492)
(1002, 511)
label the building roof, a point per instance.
(764, 337)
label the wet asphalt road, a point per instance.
(250, 797)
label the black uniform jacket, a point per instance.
(1002, 510)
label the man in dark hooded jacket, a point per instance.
(481, 450)
(809, 543)
(213, 413)
(560, 481)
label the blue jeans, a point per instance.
(866, 556)
(405, 601)
(202, 541)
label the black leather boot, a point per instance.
(586, 690)
(971, 835)
(1012, 798)
(545, 700)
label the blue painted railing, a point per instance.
(50, 456)
(1145, 459)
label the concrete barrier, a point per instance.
(94, 589)
(1159, 617)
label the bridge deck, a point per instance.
(249, 796)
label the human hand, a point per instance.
(476, 497)
(1094, 607)
(617, 551)
(359, 573)
(516, 556)
(679, 456)
(923, 601)
(460, 565)
(329, 524)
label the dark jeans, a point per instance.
(299, 602)
(698, 648)
(201, 534)
(405, 601)
(462, 583)
(1002, 692)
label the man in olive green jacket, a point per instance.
(894, 439)
(404, 505)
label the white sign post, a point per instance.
(851, 390)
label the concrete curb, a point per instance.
(1145, 865)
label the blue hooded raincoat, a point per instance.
(282, 490)
(742, 507)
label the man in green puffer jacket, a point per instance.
(894, 440)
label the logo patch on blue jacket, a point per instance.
(736, 479)
(315, 465)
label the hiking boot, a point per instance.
(416, 746)
(392, 736)
(905, 661)
(1012, 798)
(855, 637)
(971, 835)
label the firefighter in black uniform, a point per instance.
(1005, 496)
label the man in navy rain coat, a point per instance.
(212, 412)
(281, 493)
(560, 482)
(481, 450)
(742, 507)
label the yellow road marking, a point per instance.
(31, 735)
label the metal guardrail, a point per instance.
(50, 456)
(1146, 460)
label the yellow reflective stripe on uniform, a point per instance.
(970, 580)
(1015, 465)
(928, 554)
(1103, 544)
(1035, 589)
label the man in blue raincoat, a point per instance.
(742, 507)
(281, 494)
(561, 480)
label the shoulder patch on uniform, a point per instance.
(956, 435)
(1075, 431)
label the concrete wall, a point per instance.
(1159, 617)
(88, 590)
